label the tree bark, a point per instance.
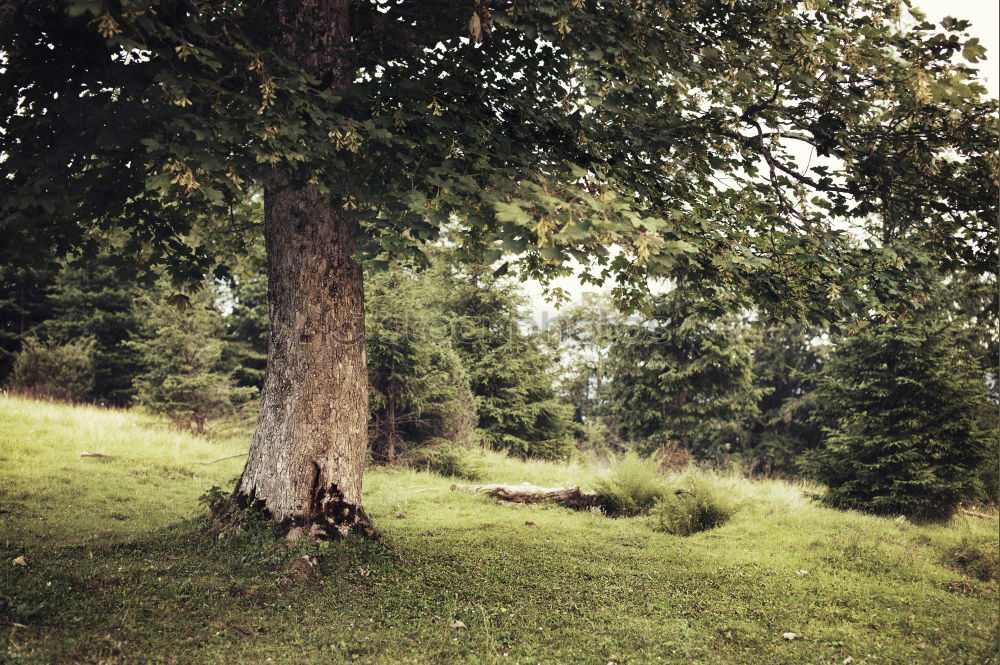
(306, 461)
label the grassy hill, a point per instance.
(121, 570)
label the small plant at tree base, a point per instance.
(216, 501)
(696, 505)
(632, 486)
(227, 519)
(63, 372)
(898, 405)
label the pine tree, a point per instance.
(786, 360)
(48, 370)
(91, 299)
(23, 305)
(898, 406)
(246, 331)
(181, 350)
(512, 379)
(683, 376)
(419, 392)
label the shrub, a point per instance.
(62, 372)
(899, 404)
(632, 486)
(449, 460)
(697, 505)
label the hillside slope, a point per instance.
(121, 570)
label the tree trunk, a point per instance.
(307, 458)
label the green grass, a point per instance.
(697, 503)
(120, 571)
(632, 485)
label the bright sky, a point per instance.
(985, 18)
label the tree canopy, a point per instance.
(652, 136)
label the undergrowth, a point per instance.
(979, 560)
(632, 486)
(696, 504)
(449, 461)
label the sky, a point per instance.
(985, 18)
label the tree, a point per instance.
(181, 351)
(50, 370)
(550, 130)
(582, 334)
(786, 360)
(898, 402)
(23, 306)
(420, 391)
(511, 378)
(683, 376)
(89, 299)
(247, 323)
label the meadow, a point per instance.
(113, 560)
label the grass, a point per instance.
(696, 504)
(631, 486)
(119, 570)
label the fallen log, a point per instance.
(972, 513)
(569, 497)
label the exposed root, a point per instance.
(330, 517)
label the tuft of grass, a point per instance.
(697, 504)
(632, 486)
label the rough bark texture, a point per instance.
(570, 497)
(306, 461)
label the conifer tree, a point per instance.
(685, 376)
(181, 351)
(90, 298)
(512, 379)
(246, 331)
(898, 403)
(50, 370)
(23, 305)
(420, 391)
(786, 359)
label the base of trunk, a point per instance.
(568, 497)
(330, 517)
